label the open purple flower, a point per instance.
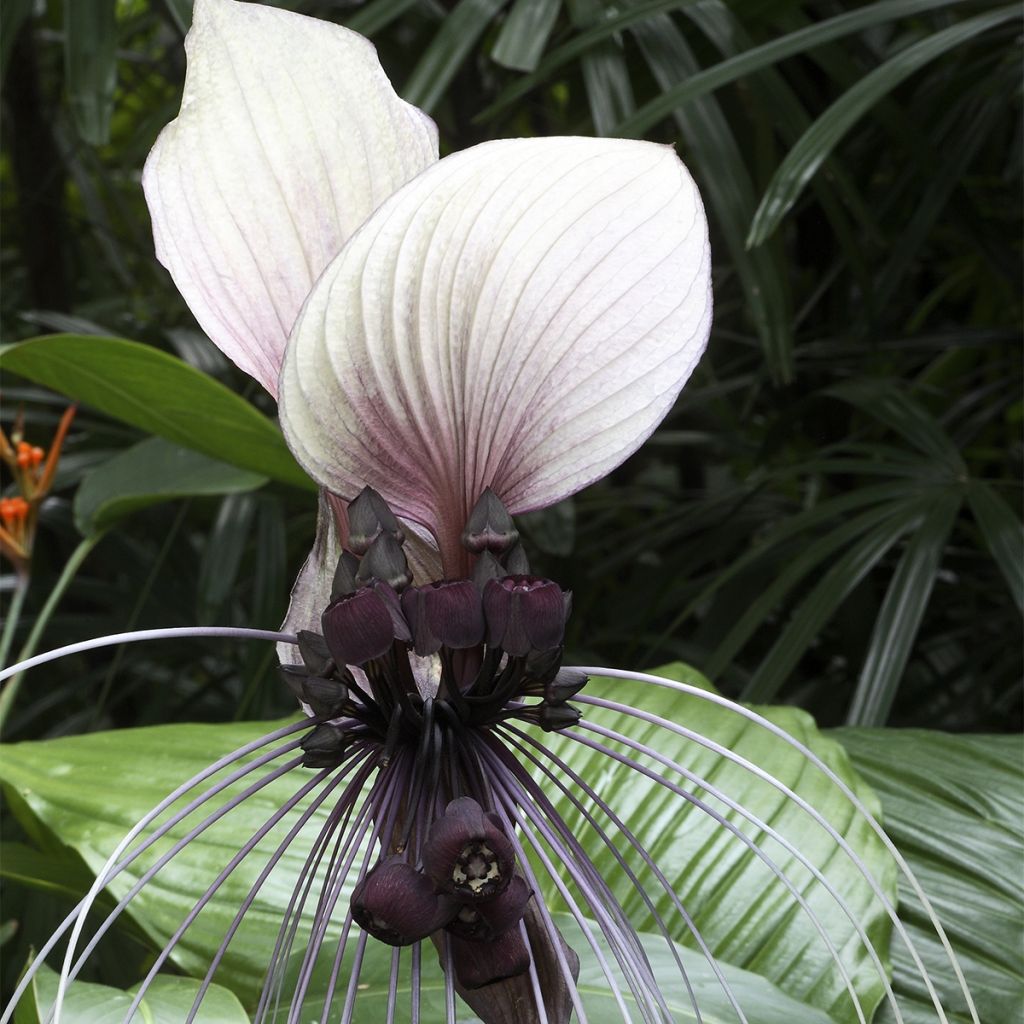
(451, 343)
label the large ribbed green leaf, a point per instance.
(65, 786)
(955, 807)
(746, 915)
(167, 1001)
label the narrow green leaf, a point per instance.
(824, 600)
(448, 49)
(804, 159)
(222, 556)
(711, 150)
(577, 46)
(605, 75)
(883, 399)
(377, 15)
(90, 65)
(12, 17)
(1003, 535)
(794, 526)
(954, 805)
(525, 33)
(904, 606)
(721, 74)
(160, 394)
(151, 472)
(181, 12)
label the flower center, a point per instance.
(421, 676)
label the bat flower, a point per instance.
(451, 343)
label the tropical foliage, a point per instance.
(829, 518)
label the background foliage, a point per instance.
(828, 518)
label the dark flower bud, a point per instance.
(345, 576)
(385, 561)
(541, 667)
(325, 697)
(566, 684)
(361, 626)
(314, 652)
(487, 567)
(524, 614)
(467, 853)
(397, 904)
(325, 746)
(368, 518)
(294, 676)
(447, 613)
(489, 527)
(552, 717)
(484, 922)
(516, 562)
(482, 963)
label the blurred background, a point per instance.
(830, 516)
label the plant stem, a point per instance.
(78, 556)
(13, 615)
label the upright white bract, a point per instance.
(520, 316)
(289, 136)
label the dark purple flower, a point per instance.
(524, 614)
(484, 963)
(447, 613)
(397, 904)
(485, 921)
(467, 853)
(363, 625)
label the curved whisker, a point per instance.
(139, 635)
(338, 777)
(581, 860)
(112, 867)
(510, 798)
(222, 877)
(705, 808)
(847, 792)
(510, 734)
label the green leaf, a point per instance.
(804, 159)
(168, 1000)
(1003, 535)
(837, 583)
(448, 50)
(954, 805)
(90, 65)
(746, 915)
(222, 556)
(577, 46)
(12, 17)
(377, 15)
(65, 785)
(906, 599)
(712, 151)
(525, 33)
(160, 394)
(773, 1006)
(148, 473)
(883, 399)
(606, 77)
